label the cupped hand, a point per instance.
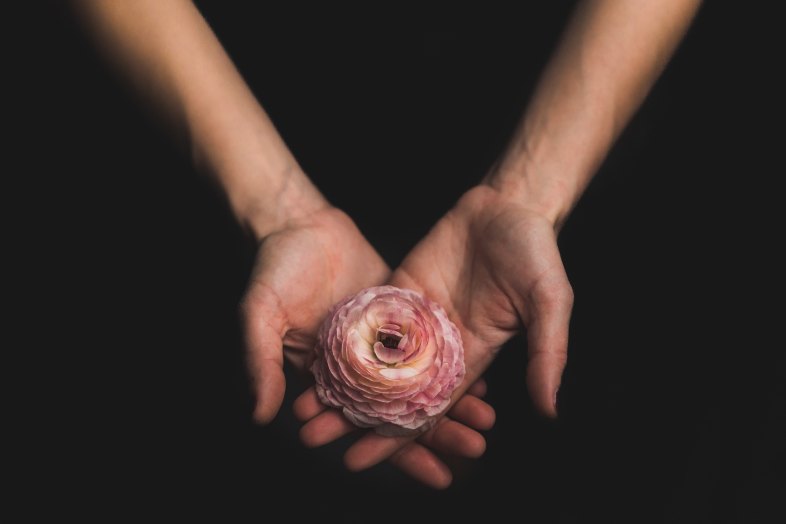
(454, 434)
(301, 271)
(493, 263)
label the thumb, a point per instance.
(547, 339)
(263, 333)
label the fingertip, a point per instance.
(544, 374)
(474, 412)
(423, 465)
(476, 446)
(307, 405)
(354, 463)
(306, 437)
(264, 413)
(490, 418)
(546, 404)
(371, 449)
(270, 395)
(483, 420)
(325, 428)
(443, 480)
(455, 438)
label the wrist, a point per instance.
(234, 142)
(271, 206)
(531, 187)
(263, 183)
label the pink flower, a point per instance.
(390, 359)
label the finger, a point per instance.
(371, 449)
(451, 437)
(473, 412)
(324, 428)
(479, 388)
(547, 338)
(268, 373)
(262, 326)
(421, 464)
(308, 405)
(446, 436)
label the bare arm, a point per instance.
(608, 59)
(311, 255)
(171, 54)
(493, 260)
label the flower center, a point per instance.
(391, 344)
(389, 340)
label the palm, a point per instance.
(300, 272)
(493, 264)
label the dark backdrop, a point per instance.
(131, 270)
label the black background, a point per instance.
(130, 270)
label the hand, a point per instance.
(493, 263)
(454, 434)
(302, 269)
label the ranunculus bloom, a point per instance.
(390, 359)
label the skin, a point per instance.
(310, 253)
(300, 272)
(492, 261)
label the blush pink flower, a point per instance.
(389, 358)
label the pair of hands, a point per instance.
(491, 261)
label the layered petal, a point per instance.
(390, 359)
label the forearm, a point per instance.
(173, 57)
(609, 57)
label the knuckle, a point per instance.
(557, 295)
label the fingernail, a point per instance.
(555, 398)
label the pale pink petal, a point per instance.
(390, 359)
